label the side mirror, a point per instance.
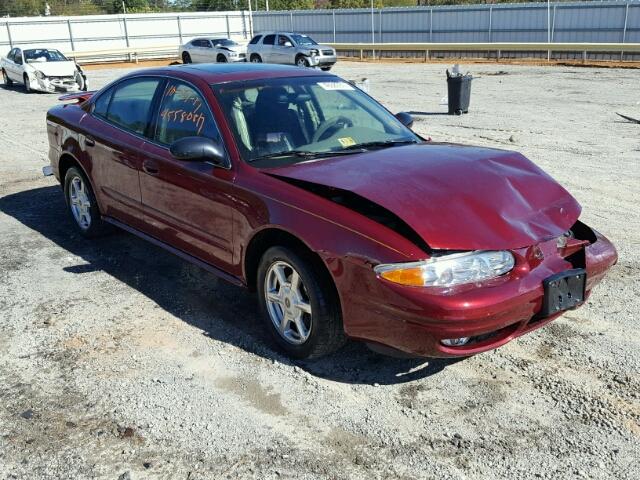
(405, 119)
(199, 149)
(288, 44)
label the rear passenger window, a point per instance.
(184, 113)
(269, 39)
(255, 39)
(101, 105)
(131, 103)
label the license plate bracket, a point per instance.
(563, 291)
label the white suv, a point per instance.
(290, 49)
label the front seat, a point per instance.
(275, 122)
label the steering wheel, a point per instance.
(329, 124)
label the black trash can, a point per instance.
(459, 91)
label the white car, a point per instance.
(212, 50)
(42, 69)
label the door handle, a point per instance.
(150, 167)
(89, 142)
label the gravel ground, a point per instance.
(120, 361)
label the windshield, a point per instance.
(225, 42)
(305, 117)
(302, 39)
(44, 55)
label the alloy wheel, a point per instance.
(79, 202)
(288, 303)
(301, 62)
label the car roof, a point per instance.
(280, 32)
(229, 72)
(211, 38)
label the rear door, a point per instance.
(113, 138)
(266, 52)
(16, 66)
(187, 204)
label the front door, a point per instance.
(187, 204)
(283, 51)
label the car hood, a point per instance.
(454, 197)
(55, 69)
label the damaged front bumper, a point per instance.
(427, 322)
(68, 84)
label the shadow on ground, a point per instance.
(222, 311)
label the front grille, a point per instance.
(327, 52)
(243, 55)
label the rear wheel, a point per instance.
(299, 304)
(255, 58)
(82, 204)
(186, 58)
(27, 85)
(5, 78)
(221, 59)
(325, 69)
(302, 61)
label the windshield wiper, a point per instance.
(301, 154)
(380, 144)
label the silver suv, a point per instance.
(291, 49)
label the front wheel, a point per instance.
(27, 84)
(221, 59)
(255, 58)
(82, 204)
(325, 69)
(299, 304)
(302, 61)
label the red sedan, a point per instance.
(296, 184)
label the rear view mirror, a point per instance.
(199, 149)
(405, 119)
(288, 44)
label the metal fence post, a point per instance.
(624, 28)
(291, 20)
(490, 20)
(9, 35)
(380, 29)
(126, 34)
(179, 29)
(73, 47)
(226, 17)
(333, 15)
(431, 26)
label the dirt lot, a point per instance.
(118, 360)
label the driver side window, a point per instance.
(184, 113)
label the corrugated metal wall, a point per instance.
(616, 21)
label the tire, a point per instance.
(221, 59)
(5, 78)
(325, 69)
(302, 61)
(27, 87)
(321, 330)
(255, 58)
(186, 58)
(78, 203)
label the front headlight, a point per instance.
(40, 75)
(449, 270)
(233, 54)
